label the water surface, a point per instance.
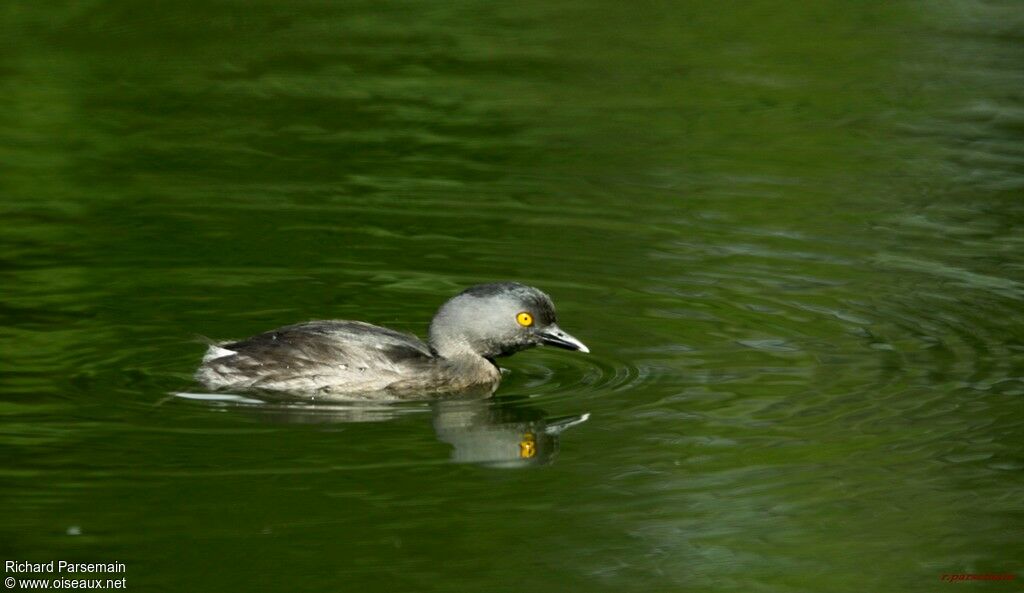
(791, 236)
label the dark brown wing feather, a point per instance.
(334, 342)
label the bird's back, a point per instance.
(318, 357)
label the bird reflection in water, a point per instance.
(492, 432)
(500, 434)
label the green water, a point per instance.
(790, 234)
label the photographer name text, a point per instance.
(63, 566)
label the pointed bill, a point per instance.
(554, 336)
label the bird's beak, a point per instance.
(553, 335)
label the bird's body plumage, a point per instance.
(335, 357)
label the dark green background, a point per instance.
(790, 233)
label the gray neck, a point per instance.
(451, 329)
(462, 362)
(453, 348)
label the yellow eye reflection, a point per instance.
(528, 446)
(525, 319)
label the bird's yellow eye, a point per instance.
(525, 319)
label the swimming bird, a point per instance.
(342, 359)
